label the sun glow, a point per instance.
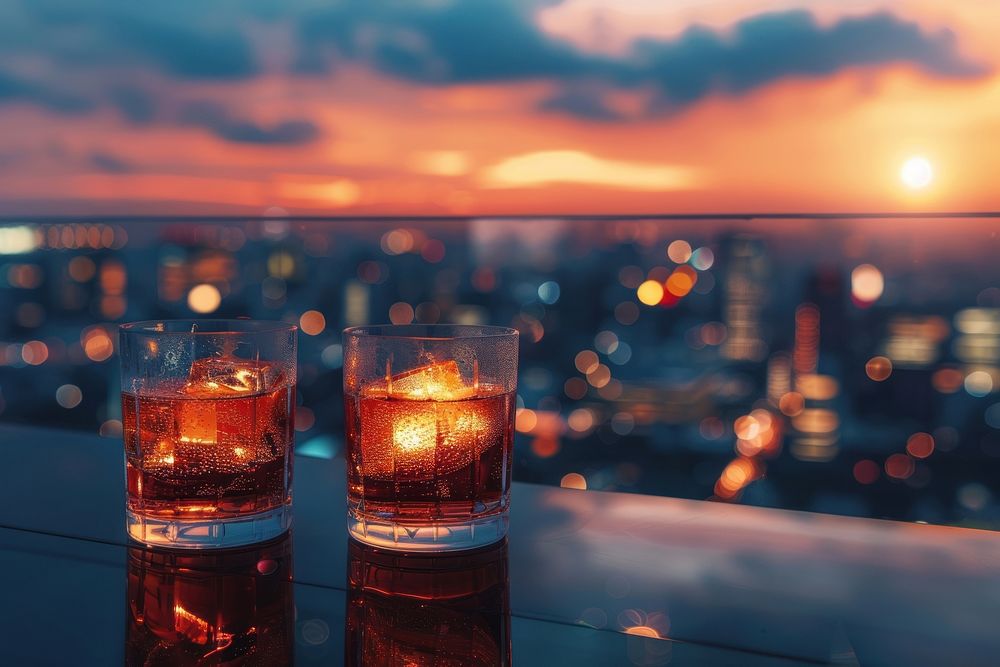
(916, 173)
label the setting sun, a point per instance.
(916, 173)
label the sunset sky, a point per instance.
(498, 107)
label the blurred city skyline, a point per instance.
(466, 107)
(805, 364)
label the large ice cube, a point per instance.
(420, 439)
(221, 376)
(440, 381)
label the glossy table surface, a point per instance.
(728, 585)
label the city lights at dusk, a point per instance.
(495, 332)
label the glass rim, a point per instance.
(396, 331)
(215, 327)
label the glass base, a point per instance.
(209, 534)
(430, 536)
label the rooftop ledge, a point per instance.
(770, 586)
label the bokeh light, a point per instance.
(867, 284)
(573, 480)
(312, 322)
(606, 342)
(899, 466)
(69, 396)
(548, 292)
(702, 259)
(34, 352)
(204, 298)
(866, 471)
(878, 368)
(580, 420)
(401, 313)
(947, 380)
(586, 361)
(97, 344)
(599, 376)
(650, 292)
(575, 388)
(679, 251)
(920, 445)
(978, 383)
(626, 313)
(525, 420)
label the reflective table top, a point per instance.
(584, 578)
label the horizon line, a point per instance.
(600, 217)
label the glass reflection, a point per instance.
(428, 610)
(226, 607)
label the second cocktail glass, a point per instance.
(430, 426)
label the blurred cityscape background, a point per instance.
(843, 364)
(504, 162)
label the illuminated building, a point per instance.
(744, 298)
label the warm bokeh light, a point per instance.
(867, 284)
(580, 420)
(642, 631)
(34, 352)
(679, 251)
(81, 269)
(680, 282)
(866, 471)
(575, 388)
(920, 445)
(204, 298)
(746, 427)
(878, 368)
(650, 292)
(817, 387)
(525, 420)
(573, 480)
(586, 361)
(916, 173)
(791, 403)
(97, 344)
(899, 466)
(599, 376)
(947, 380)
(401, 313)
(735, 476)
(312, 322)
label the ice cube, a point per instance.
(440, 381)
(412, 440)
(215, 376)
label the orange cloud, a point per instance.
(543, 168)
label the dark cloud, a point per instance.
(109, 163)
(133, 103)
(218, 120)
(14, 89)
(184, 39)
(437, 42)
(183, 50)
(587, 102)
(497, 40)
(444, 42)
(766, 48)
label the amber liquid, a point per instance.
(427, 611)
(427, 460)
(197, 457)
(231, 607)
